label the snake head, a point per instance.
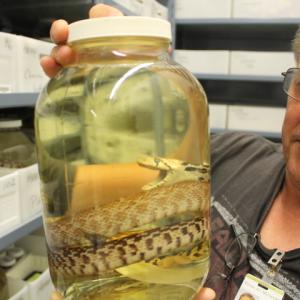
(172, 171)
(159, 163)
(154, 163)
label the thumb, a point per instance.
(206, 294)
(102, 10)
(56, 296)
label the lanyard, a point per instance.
(274, 263)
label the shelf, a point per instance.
(239, 21)
(18, 100)
(275, 136)
(230, 77)
(10, 236)
(220, 34)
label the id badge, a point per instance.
(254, 288)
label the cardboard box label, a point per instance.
(9, 201)
(30, 191)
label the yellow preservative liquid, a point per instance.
(123, 150)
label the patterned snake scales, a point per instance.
(180, 188)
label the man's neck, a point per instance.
(281, 227)
(290, 196)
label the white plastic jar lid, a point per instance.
(119, 26)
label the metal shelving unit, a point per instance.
(18, 100)
(15, 233)
(8, 101)
(205, 76)
(239, 34)
(240, 21)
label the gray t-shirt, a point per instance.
(247, 173)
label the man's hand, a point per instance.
(56, 296)
(206, 294)
(62, 54)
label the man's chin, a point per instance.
(293, 169)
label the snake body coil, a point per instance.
(126, 251)
(88, 245)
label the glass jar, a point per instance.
(16, 149)
(123, 151)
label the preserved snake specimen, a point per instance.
(90, 244)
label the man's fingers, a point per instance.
(102, 10)
(206, 294)
(50, 66)
(59, 31)
(63, 54)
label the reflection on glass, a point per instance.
(123, 152)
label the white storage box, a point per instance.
(204, 61)
(185, 9)
(8, 62)
(31, 77)
(9, 200)
(260, 63)
(30, 197)
(266, 8)
(218, 116)
(17, 289)
(41, 287)
(258, 119)
(20, 63)
(136, 7)
(159, 11)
